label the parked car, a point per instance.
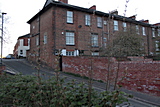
(9, 56)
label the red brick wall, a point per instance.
(143, 76)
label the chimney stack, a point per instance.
(114, 12)
(93, 7)
(144, 21)
(64, 1)
(133, 17)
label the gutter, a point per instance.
(90, 11)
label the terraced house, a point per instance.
(61, 28)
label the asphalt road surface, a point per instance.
(25, 68)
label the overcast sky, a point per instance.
(20, 11)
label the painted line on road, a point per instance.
(10, 72)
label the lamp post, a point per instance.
(2, 37)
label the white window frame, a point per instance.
(115, 25)
(70, 40)
(137, 29)
(21, 52)
(153, 32)
(124, 26)
(37, 40)
(45, 39)
(87, 20)
(157, 45)
(99, 22)
(144, 31)
(29, 42)
(94, 40)
(95, 53)
(158, 31)
(69, 53)
(69, 16)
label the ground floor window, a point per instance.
(21, 52)
(95, 53)
(157, 43)
(69, 53)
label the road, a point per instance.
(22, 66)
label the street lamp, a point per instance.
(2, 36)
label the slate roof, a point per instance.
(24, 36)
(50, 3)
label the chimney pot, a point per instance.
(145, 21)
(64, 1)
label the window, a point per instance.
(99, 22)
(105, 22)
(115, 25)
(153, 32)
(29, 41)
(33, 27)
(37, 40)
(69, 17)
(87, 20)
(45, 39)
(143, 31)
(69, 53)
(157, 43)
(158, 32)
(124, 26)
(70, 38)
(95, 53)
(94, 40)
(137, 29)
(21, 52)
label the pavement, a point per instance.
(138, 96)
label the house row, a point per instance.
(61, 28)
(21, 46)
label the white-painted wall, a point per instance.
(23, 48)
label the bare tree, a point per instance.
(126, 43)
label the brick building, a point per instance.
(72, 31)
(21, 47)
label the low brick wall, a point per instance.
(142, 75)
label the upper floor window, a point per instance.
(37, 40)
(29, 41)
(94, 40)
(87, 20)
(99, 22)
(70, 38)
(21, 42)
(33, 27)
(157, 43)
(158, 32)
(115, 25)
(137, 29)
(153, 32)
(45, 39)
(143, 31)
(124, 26)
(69, 17)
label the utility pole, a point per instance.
(2, 36)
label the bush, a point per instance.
(23, 91)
